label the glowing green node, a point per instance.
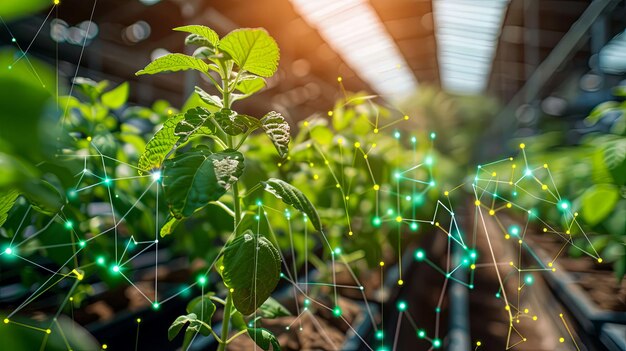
(69, 224)
(71, 193)
(82, 243)
(421, 334)
(432, 183)
(436, 343)
(514, 193)
(8, 251)
(433, 135)
(390, 212)
(471, 286)
(514, 230)
(100, 260)
(259, 203)
(407, 198)
(156, 176)
(396, 135)
(414, 226)
(497, 295)
(413, 140)
(401, 306)
(528, 173)
(257, 217)
(282, 275)
(337, 251)
(379, 334)
(382, 348)
(418, 199)
(473, 254)
(563, 204)
(428, 160)
(420, 255)
(307, 302)
(337, 312)
(529, 279)
(115, 268)
(438, 309)
(396, 175)
(376, 221)
(155, 305)
(201, 280)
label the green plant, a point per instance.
(196, 177)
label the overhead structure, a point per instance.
(467, 33)
(354, 30)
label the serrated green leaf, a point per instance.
(7, 200)
(117, 97)
(277, 129)
(294, 197)
(174, 63)
(253, 50)
(160, 145)
(598, 202)
(193, 179)
(193, 120)
(264, 338)
(252, 269)
(233, 123)
(273, 309)
(205, 32)
(170, 224)
(251, 86)
(208, 98)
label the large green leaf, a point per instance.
(195, 178)
(203, 308)
(208, 98)
(252, 269)
(195, 326)
(173, 63)
(272, 309)
(598, 202)
(251, 86)
(233, 123)
(43, 196)
(294, 197)
(264, 338)
(7, 199)
(160, 145)
(211, 38)
(117, 97)
(277, 129)
(253, 50)
(170, 224)
(194, 119)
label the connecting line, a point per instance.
(30, 64)
(136, 287)
(398, 323)
(360, 287)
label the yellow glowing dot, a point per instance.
(398, 219)
(373, 145)
(545, 230)
(308, 145)
(337, 185)
(509, 205)
(232, 290)
(553, 269)
(522, 145)
(519, 288)
(477, 203)
(436, 224)
(169, 112)
(326, 162)
(350, 233)
(534, 318)
(446, 193)
(56, 2)
(138, 320)
(561, 340)
(545, 165)
(406, 118)
(510, 263)
(575, 214)
(221, 268)
(357, 144)
(510, 158)
(550, 264)
(567, 232)
(382, 263)
(478, 343)
(514, 166)
(525, 339)
(493, 174)
(105, 346)
(510, 183)
(507, 236)
(316, 176)
(544, 187)
(525, 310)
(6, 321)
(279, 164)
(306, 123)
(473, 266)
(365, 157)
(599, 260)
(340, 141)
(347, 197)
(376, 187)
(311, 164)
(519, 241)
(48, 331)
(517, 321)
(339, 79)
(88, 138)
(330, 113)
(400, 282)
(560, 314)
(492, 212)
(375, 130)
(507, 307)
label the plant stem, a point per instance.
(226, 322)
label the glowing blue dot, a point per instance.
(156, 176)
(420, 255)
(396, 135)
(436, 343)
(528, 173)
(401, 306)
(529, 279)
(432, 183)
(414, 226)
(379, 334)
(107, 181)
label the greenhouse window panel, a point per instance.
(354, 30)
(467, 35)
